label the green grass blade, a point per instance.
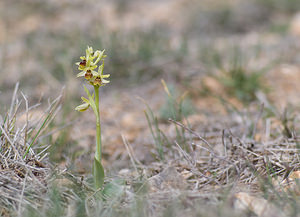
(37, 134)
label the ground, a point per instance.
(228, 147)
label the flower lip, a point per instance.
(98, 81)
(88, 75)
(82, 63)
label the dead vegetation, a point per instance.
(245, 161)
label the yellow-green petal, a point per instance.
(105, 76)
(104, 81)
(93, 67)
(100, 69)
(81, 74)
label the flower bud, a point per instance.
(82, 107)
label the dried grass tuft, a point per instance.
(23, 177)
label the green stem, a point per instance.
(98, 126)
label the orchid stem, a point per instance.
(98, 126)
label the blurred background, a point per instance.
(234, 49)
(41, 40)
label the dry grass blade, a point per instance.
(193, 132)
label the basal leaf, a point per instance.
(98, 172)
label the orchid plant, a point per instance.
(88, 67)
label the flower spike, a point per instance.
(87, 65)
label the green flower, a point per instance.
(84, 106)
(88, 73)
(99, 78)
